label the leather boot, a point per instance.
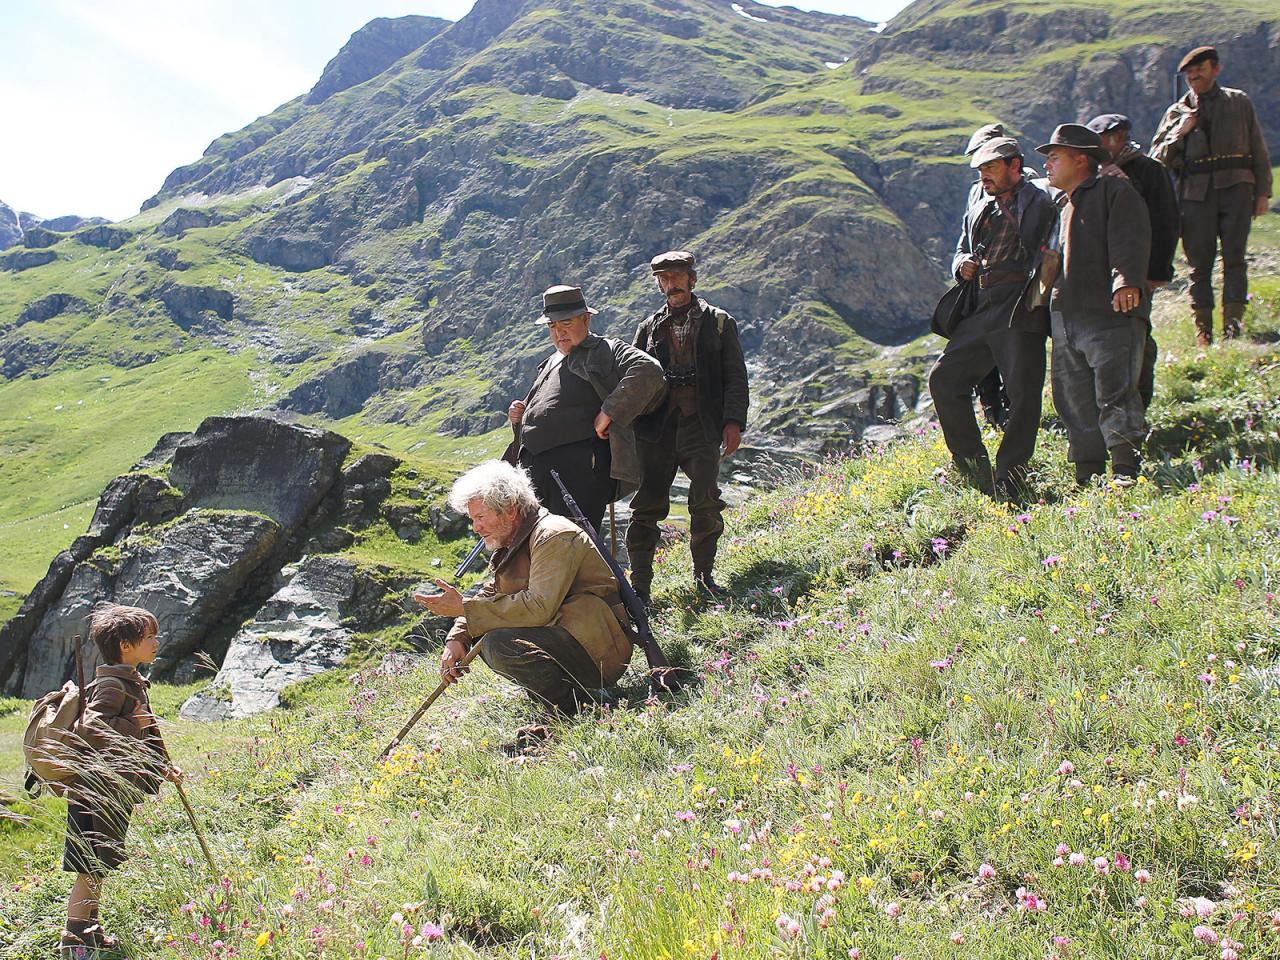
(76, 942)
(1125, 464)
(1232, 315)
(1087, 470)
(707, 586)
(1204, 326)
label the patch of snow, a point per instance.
(879, 27)
(830, 65)
(740, 11)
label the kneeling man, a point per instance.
(551, 618)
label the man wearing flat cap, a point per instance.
(702, 420)
(1002, 234)
(1152, 182)
(1101, 306)
(992, 396)
(578, 416)
(1211, 141)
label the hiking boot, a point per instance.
(1204, 326)
(532, 737)
(1232, 316)
(708, 588)
(1088, 470)
(1125, 465)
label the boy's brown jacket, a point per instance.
(552, 575)
(125, 749)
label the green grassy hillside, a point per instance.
(930, 727)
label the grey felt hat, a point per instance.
(982, 135)
(1078, 137)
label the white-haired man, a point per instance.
(551, 618)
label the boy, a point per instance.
(124, 759)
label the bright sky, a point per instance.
(103, 98)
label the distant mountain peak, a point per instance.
(371, 50)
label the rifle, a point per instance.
(662, 676)
(426, 704)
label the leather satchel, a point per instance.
(956, 304)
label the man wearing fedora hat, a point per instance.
(578, 416)
(702, 420)
(1101, 306)
(1211, 141)
(1152, 182)
(1003, 231)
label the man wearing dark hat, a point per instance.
(701, 421)
(1101, 306)
(1211, 141)
(578, 416)
(999, 243)
(1152, 182)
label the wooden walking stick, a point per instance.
(426, 705)
(613, 530)
(182, 795)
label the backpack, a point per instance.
(50, 746)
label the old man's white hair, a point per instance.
(498, 485)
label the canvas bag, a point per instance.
(50, 748)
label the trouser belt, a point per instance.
(1226, 161)
(995, 278)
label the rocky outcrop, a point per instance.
(19, 260)
(10, 227)
(46, 308)
(296, 634)
(104, 236)
(241, 498)
(37, 238)
(191, 306)
(66, 224)
(371, 50)
(182, 220)
(290, 251)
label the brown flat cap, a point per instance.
(1198, 55)
(982, 135)
(997, 148)
(562, 302)
(672, 260)
(1078, 137)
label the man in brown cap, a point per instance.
(1100, 305)
(702, 420)
(1001, 237)
(1152, 182)
(1211, 141)
(992, 395)
(578, 416)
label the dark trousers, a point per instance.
(547, 662)
(1147, 378)
(1225, 215)
(584, 467)
(1097, 362)
(992, 397)
(981, 341)
(683, 445)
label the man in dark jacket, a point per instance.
(1211, 141)
(992, 395)
(701, 422)
(1152, 182)
(577, 417)
(1002, 234)
(1101, 306)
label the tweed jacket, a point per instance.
(1234, 136)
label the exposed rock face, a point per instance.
(10, 227)
(37, 238)
(371, 50)
(243, 495)
(188, 578)
(188, 306)
(46, 308)
(182, 220)
(106, 237)
(295, 634)
(260, 464)
(19, 260)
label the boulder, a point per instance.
(188, 574)
(296, 634)
(275, 468)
